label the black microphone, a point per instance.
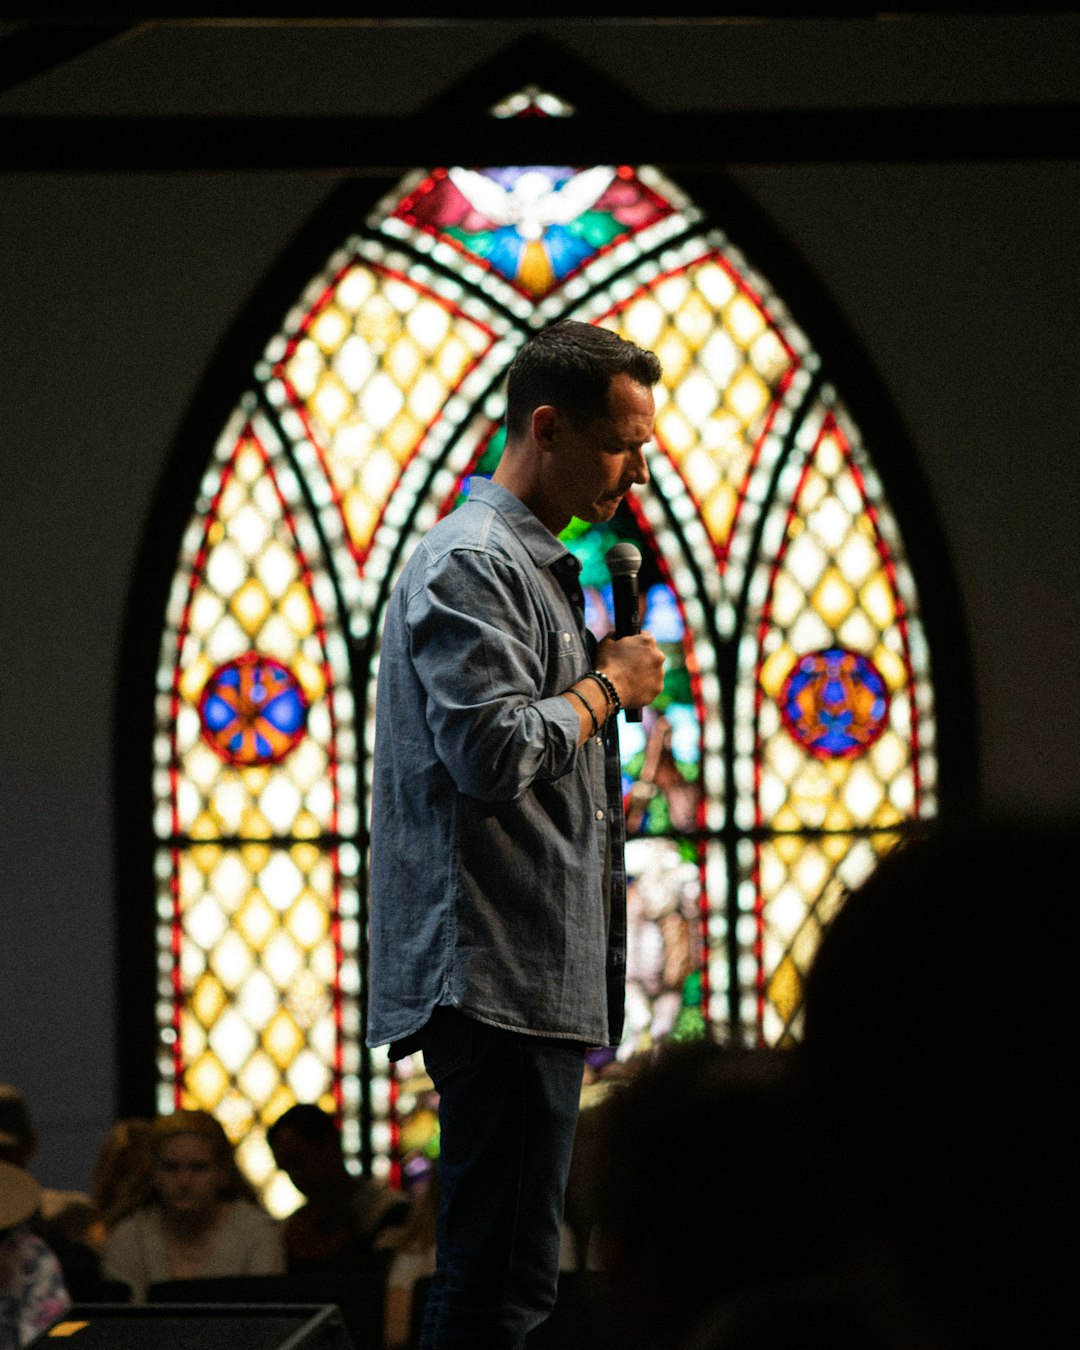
(624, 563)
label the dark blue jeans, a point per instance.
(508, 1106)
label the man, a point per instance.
(343, 1214)
(497, 885)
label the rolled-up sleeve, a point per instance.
(473, 644)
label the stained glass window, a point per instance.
(792, 744)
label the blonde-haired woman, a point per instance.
(118, 1183)
(198, 1217)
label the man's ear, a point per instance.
(545, 423)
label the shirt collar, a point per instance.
(542, 546)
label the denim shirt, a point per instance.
(497, 881)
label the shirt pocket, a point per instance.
(566, 661)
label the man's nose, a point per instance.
(639, 468)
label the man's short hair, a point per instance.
(570, 366)
(309, 1121)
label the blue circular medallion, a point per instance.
(253, 710)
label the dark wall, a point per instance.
(960, 281)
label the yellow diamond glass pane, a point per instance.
(259, 1026)
(369, 371)
(248, 589)
(725, 365)
(799, 885)
(834, 586)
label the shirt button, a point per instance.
(599, 740)
(599, 815)
(566, 637)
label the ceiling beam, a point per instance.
(683, 140)
(40, 47)
(357, 11)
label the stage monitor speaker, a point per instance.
(193, 1326)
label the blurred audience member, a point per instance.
(344, 1216)
(32, 1291)
(197, 1216)
(120, 1177)
(413, 1259)
(63, 1218)
(716, 1202)
(940, 1023)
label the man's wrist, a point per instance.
(574, 692)
(607, 684)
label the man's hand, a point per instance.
(635, 665)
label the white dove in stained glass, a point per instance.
(533, 203)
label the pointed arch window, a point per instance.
(795, 737)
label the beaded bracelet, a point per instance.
(588, 708)
(608, 686)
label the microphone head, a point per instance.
(623, 560)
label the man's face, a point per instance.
(598, 463)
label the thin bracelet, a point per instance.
(608, 687)
(604, 691)
(588, 708)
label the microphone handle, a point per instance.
(627, 619)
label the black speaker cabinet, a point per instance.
(194, 1326)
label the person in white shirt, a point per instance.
(200, 1217)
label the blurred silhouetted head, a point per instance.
(939, 1033)
(306, 1146)
(708, 1182)
(18, 1139)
